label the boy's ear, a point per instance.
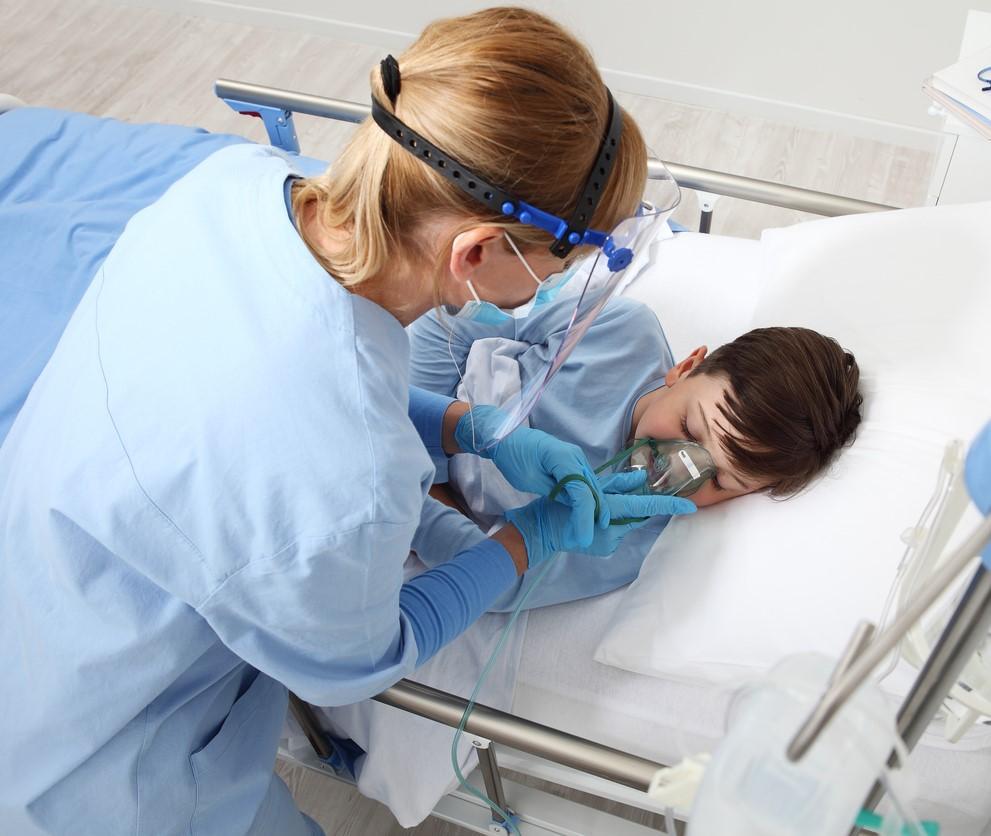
(679, 370)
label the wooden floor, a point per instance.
(147, 65)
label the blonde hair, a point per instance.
(512, 96)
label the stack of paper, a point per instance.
(958, 90)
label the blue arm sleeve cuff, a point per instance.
(426, 411)
(442, 602)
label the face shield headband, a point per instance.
(569, 233)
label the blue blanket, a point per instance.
(69, 183)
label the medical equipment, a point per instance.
(674, 467)
(615, 249)
(966, 630)
(501, 811)
(568, 234)
(607, 273)
(751, 788)
(970, 698)
(515, 454)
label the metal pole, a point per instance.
(688, 177)
(492, 779)
(764, 191)
(542, 741)
(339, 109)
(968, 625)
(303, 712)
(837, 694)
(858, 643)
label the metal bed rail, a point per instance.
(272, 104)
(487, 726)
(525, 735)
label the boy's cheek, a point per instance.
(710, 495)
(705, 496)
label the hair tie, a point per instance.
(391, 79)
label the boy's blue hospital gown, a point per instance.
(178, 537)
(589, 402)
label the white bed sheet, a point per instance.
(560, 685)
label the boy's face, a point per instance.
(688, 408)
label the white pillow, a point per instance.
(736, 587)
(702, 287)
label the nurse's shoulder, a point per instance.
(282, 396)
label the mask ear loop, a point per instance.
(526, 263)
(474, 293)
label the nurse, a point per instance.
(209, 494)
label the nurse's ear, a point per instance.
(679, 370)
(472, 248)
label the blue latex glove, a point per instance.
(534, 461)
(544, 524)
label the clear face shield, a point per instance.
(616, 248)
(617, 251)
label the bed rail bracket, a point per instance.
(489, 768)
(707, 202)
(278, 122)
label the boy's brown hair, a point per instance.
(794, 401)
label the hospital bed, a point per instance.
(554, 635)
(573, 721)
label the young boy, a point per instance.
(772, 408)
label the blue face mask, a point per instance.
(487, 313)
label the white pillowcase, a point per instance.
(736, 587)
(703, 288)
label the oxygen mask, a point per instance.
(674, 467)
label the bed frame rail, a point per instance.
(276, 108)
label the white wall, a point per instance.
(853, 65)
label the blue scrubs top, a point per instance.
(590, 402)
(207, 496)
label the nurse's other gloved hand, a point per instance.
(534, 461)
(627, 501)
(543, 523)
